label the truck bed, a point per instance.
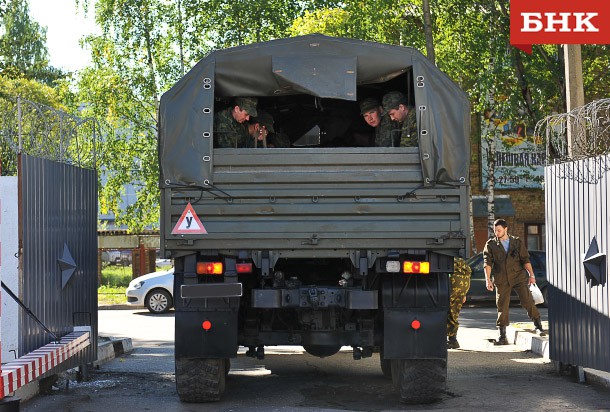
(330, 200)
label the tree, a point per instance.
(37, 126)
(392, 22)
(141, 52)
(23, 50)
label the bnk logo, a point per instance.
(558, 22)
(563, 22)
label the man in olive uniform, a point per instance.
(505, 259)
(385, 135)
(395, 105)
(460, 284)
(230, 129)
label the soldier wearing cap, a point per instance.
(371, 110)
(395, 105)
(230, 129)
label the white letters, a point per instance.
(528, 20)
(551, 21)
(567, 22)
(580, 22)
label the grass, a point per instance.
(115, 280)
(115, 276)
(111, 295)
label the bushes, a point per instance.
(116, 276)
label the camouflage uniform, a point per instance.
(386, 134)
(460, 283)
(228, 132)
(408, 130)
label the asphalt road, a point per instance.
(479, 375)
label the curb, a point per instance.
(118, 307)
(528, 340)
(109, 348)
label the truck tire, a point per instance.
(200, 380)
(422, 380)
(386, 365)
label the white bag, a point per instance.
(536, 294)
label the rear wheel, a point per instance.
(386, 365)
(200, 380)
(421, 380)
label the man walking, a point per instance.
(505, 259)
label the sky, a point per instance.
(65, 27)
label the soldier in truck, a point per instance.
(396, 106)
(371, 110)
(230, 124)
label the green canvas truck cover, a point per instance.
(315, 65)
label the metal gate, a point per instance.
(58, 234)
(53, 154)
(577, 197)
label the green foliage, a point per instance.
(115, 276)
(10, 89)
(109, 295)
(23, 50)
(392, 22)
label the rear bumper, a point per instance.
(211, 290)
(316, 298)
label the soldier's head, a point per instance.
(244, 108)
(371, 110)
(500, 228)
(395, 105)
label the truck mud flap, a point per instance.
(193, 341)
(409, 334)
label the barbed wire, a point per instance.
(582, 157)
(39, 130)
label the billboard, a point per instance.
(519, 156)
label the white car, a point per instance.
(154, 290)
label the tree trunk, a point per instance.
(491, 181)
(428, 32)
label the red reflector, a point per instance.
(416, 324)
(206, 325)
(209, 268)
(415, 267)
(243, 267)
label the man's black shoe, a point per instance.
(502, 339)
(538, 326)
(452, 343)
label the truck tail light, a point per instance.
(206, 325)
(415, 267)
(415, 324)
(209, 268)
(243, 267)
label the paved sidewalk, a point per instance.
(524, 336)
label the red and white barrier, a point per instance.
(27, 368)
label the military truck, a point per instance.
(328, 242)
